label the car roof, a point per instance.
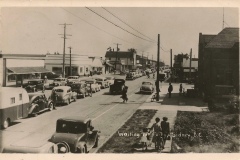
(75, 119)
(62, 87)
(35, 93)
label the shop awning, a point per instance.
(27, 70)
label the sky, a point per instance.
(35, 30)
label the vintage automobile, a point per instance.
(110, 80)
(65, 95)
(38, 103)
(117, 86)
(72, 79)
(59, 82)
(131, 76)
(34, 143)
(80, 88)
(75, 134)
(102, 81)
(147, 87)
(35, 85)
(94, 85)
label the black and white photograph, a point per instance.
(119, 80)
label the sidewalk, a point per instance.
(168, 107)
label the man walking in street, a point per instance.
(54, 98)
(170, 89)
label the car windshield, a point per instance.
(59, 90)
(57, 79)
(146, 83)
(32, 82)
(76, 85)
(98, 79)
(109, 78)
(72, 77)
(71, 127)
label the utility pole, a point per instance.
(70, 61)
(116, 55)
(171, 63)
(64, 43)
(190, 64)
(158, 57)
(142, 59)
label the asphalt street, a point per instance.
(107, 112)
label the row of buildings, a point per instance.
(17, 68)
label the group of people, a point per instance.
(161, 132)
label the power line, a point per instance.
(96, 26)
(127, 24)
(117, 25)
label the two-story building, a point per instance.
(219, 61)
(121, 60)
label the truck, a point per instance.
(117, 86)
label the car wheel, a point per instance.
(6, 123)
(50, 106)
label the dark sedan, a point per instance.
(38, 103)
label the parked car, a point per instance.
(38, 103)
(59, 82)
(29, 144)
(65, 94)
(80, 88)
(75, 134)
(35, 85)
(110, 80)
(94, 85)
(118, 86)
(147, 87)
(131, 76)
(102, 81)
(72, 79)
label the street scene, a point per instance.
(103, 80)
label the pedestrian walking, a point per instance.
(170, 89)
(165, 129)
(180, 89)
(124, 94)
(157, 133)
(54, 98)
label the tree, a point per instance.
(132, 50)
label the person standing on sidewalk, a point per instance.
(170, 89)
(180, 89)
(165, 129)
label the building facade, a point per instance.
(121, 60)
(80, 64)
(220, 64)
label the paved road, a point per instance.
(107, 112)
